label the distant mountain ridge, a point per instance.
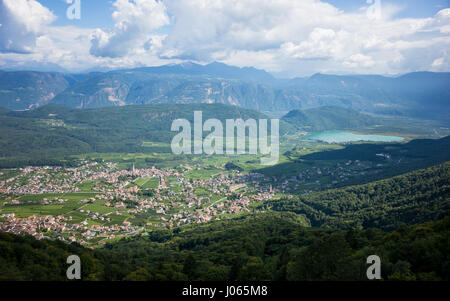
(21, 90)
(216, 70)
(421, 94)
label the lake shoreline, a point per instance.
(351, 136)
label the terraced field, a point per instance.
(147, 183)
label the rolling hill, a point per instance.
(328, 118)
(52, 131)
(270, 246)
(411, 198)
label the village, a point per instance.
(121, 203)
(96, 202)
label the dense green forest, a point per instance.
(411, 198)
(328, 118)
(260, 247)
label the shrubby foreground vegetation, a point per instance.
(263, 247)
(412, 198)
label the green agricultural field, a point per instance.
(176, 188)
(202, 192)
(86, 186)
(118, 219)
(147, 183)
(216, 199)
(77, 217)
(30, 205)
(99, 207)
(202, 173)
(8, 173)
(167, 160)
(94, 223)
(155, 144)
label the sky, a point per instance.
(289, 38)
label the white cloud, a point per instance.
(135, 23)
(22, 21)
(202, 27)
(303, 37)
(292, 38)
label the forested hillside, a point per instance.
(411, 198)
(261, 247)
(328, 118)
(41, 135)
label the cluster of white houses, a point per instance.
(172, 203)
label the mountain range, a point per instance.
(421, 94)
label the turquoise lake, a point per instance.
(342, 137)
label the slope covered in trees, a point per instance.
(261, 247)
(328, 118)
(40, 135)
(411, 198)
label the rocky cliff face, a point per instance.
(27, 90)
(425, 94)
